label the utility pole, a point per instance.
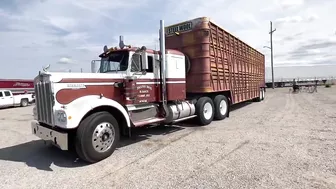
(271, 36)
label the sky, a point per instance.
(69, 34)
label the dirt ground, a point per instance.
(286, 141)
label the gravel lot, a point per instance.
(286, 141)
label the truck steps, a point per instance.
(183, 119)
(148, 121)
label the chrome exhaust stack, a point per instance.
(163, 61)
(163, 68)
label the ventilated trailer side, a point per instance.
(219, 61)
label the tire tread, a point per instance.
(82, 130)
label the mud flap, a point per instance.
(129, 132)
(229, 108)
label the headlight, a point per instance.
(61, 116)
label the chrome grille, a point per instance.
(44, 99)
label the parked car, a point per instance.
(7, 99)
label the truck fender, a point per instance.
(81, 106)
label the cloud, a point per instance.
(36, 33)
(305, 71)
(291, 37)
(65, 60)
(290, 3)
(296, 19)
(319, 44)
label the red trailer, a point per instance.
(217, 60)
(17, 86)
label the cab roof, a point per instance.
(133, 49)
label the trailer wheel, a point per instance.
(97, 137)
(263, 94)
(205, 110)
(259, 98)
(221, 107)
(24, 103)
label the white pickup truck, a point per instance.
(7, 99)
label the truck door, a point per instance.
(2, 100)
(146, 83)
(8, 98)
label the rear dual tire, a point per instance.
(221, 107)
(207, 109)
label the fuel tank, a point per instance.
(180, 110)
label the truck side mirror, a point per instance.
(144, 60)
(93, 67)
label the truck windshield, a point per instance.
(116, 61)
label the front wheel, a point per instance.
(205, 110)
(97, 137)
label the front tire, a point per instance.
(205, 111)
(221, 107)
(97, 137)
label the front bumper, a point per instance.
(59, 139)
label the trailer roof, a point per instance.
(208, 19)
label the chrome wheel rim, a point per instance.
(103, 137)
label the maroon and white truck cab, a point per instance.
(120, 83)
(89, 111)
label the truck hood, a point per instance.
(56, 77)
(67, 87)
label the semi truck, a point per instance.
(198, 73)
